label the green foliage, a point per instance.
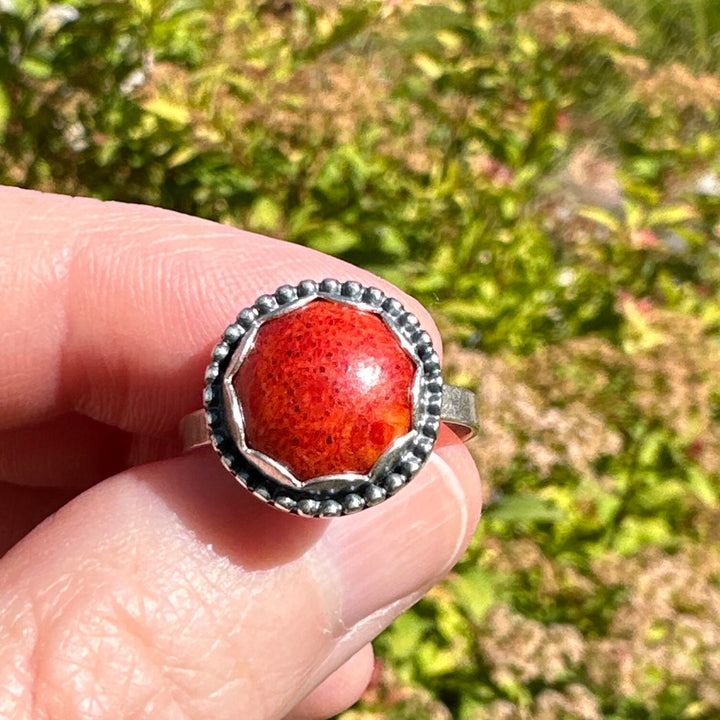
(545, 176)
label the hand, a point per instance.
(166, 590)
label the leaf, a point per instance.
(601, 217)
(168, 110)
(333, 239)
(703, 487)
(181, 156)
(438, 661)
(265, 215)
(435, 17)
(37, 68)
(450, 40)
(475, 592)
(407, 632)
(468, 310)
(637, 532)
(671, 215)
(393, 242)
(5, 109)
(144, 7)
(528, 508)
(634, 215)
(428, 66)
(651, 448)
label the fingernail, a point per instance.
(408, 543)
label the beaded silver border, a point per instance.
(335, 495)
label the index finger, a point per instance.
(111, 309)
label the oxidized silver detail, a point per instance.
(345, 493)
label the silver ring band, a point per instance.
(458, 410)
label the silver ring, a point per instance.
(277, 411)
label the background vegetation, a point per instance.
(545, 176)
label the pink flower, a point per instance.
(644, 239)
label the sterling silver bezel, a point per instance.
(345, 493)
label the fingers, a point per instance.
(22, 508)
(112, 308)
(70, 450)
(339, 691)
(168, 591)
(75, 451)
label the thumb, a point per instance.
(168, 591)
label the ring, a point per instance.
(326, 398)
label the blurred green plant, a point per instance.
(545, 176)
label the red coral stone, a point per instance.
(325, 390)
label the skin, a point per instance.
(137, 582)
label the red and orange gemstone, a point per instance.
(325, 390)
